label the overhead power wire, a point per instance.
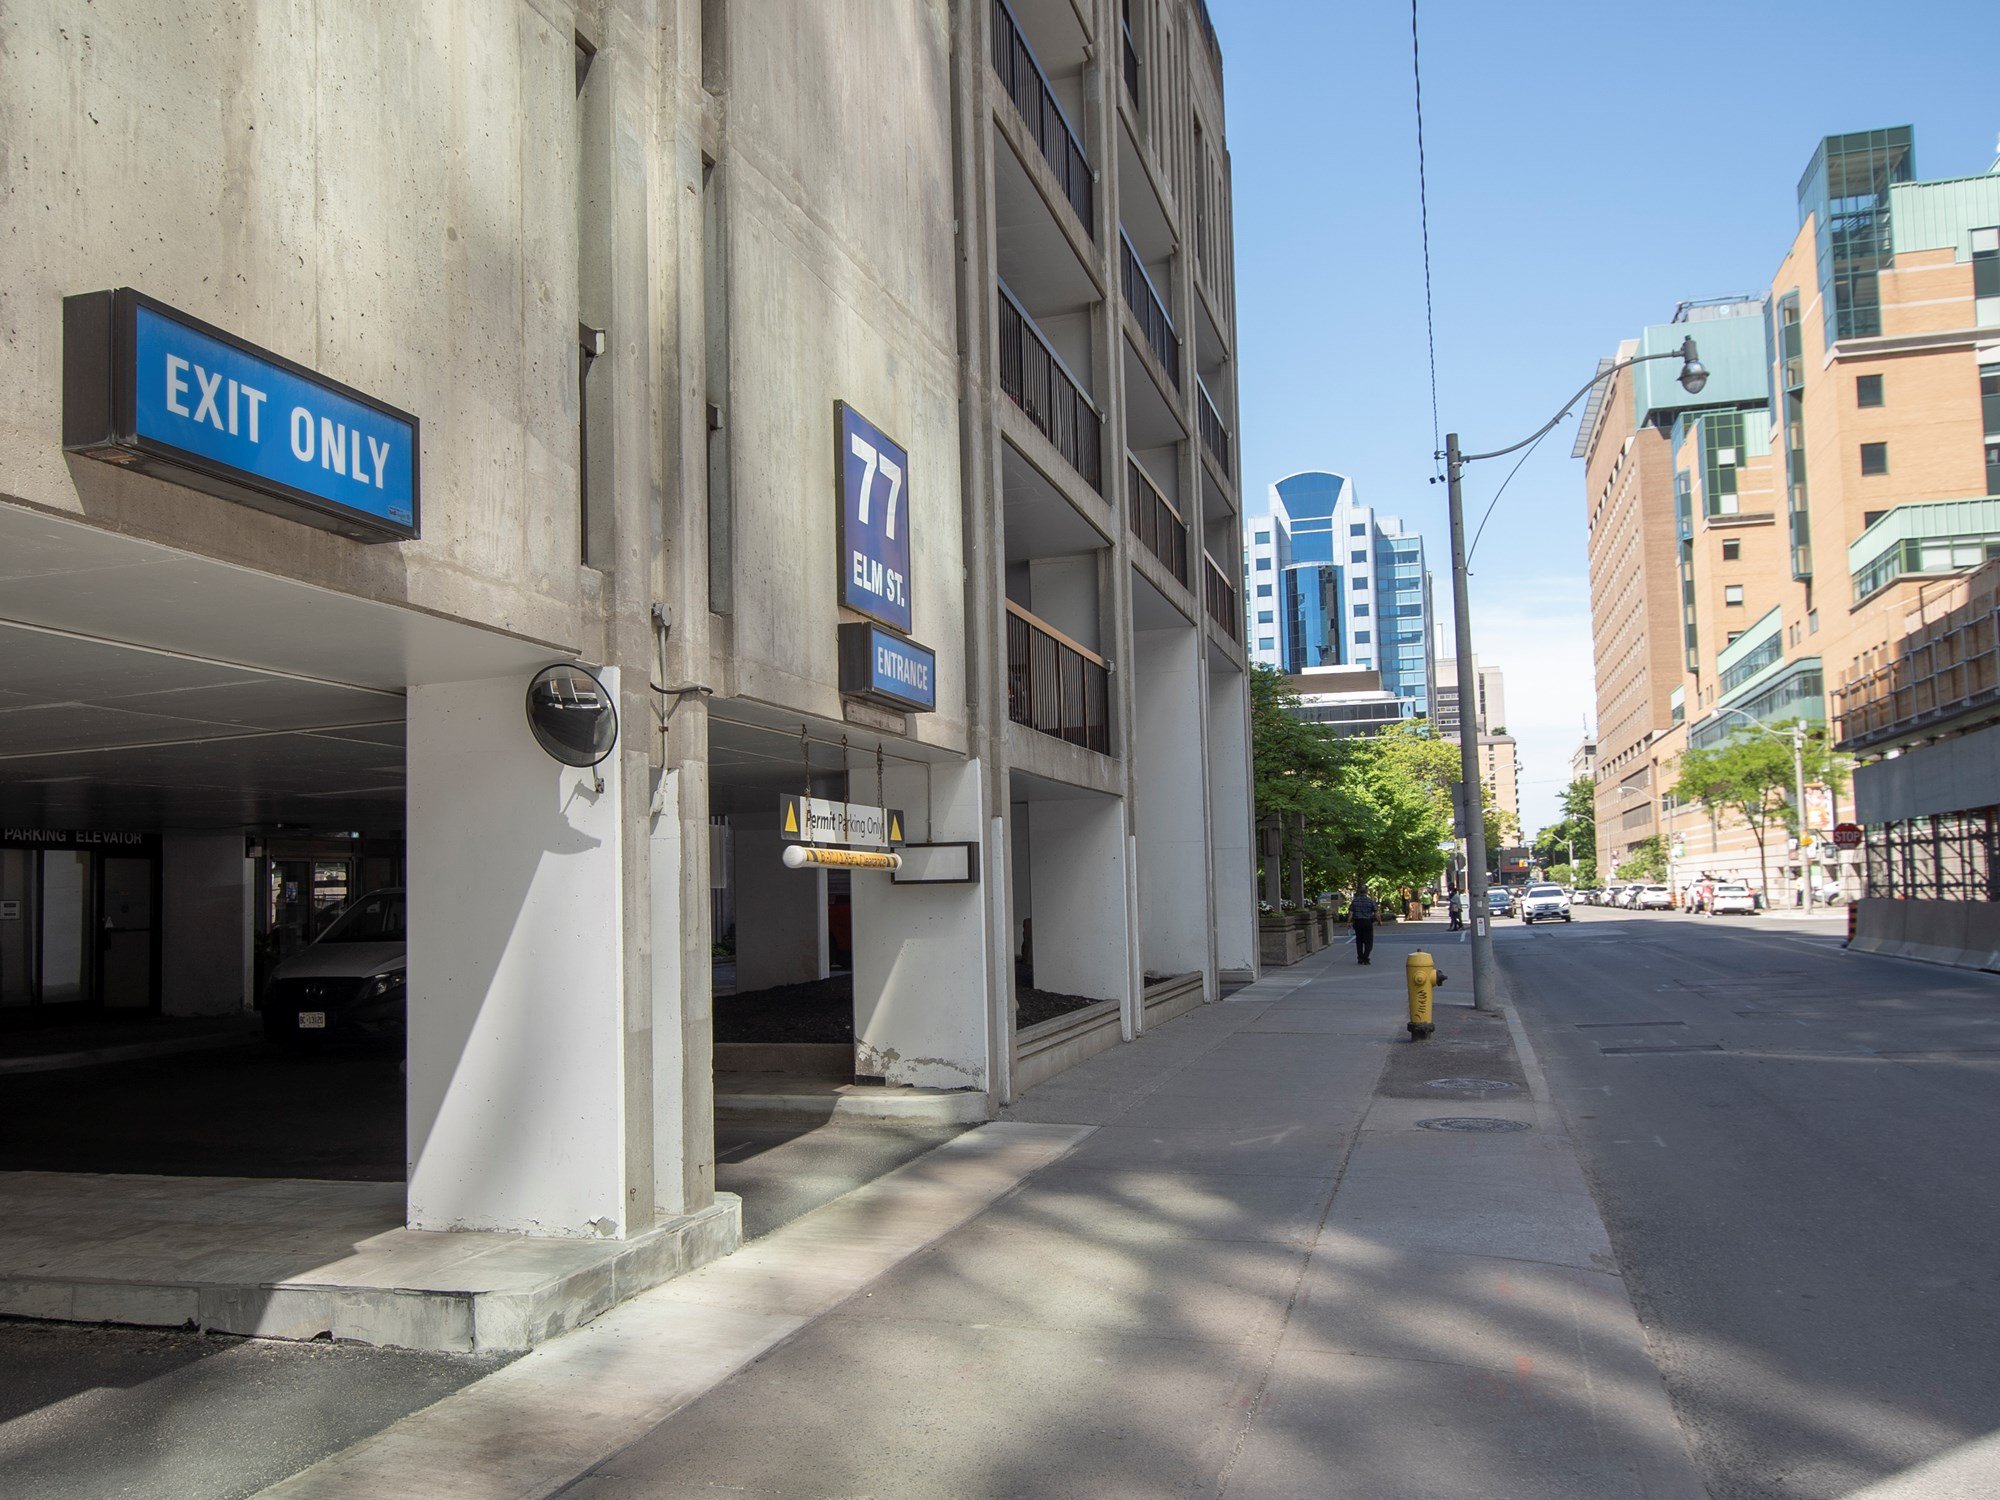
(1486, 514)
(1424, 214)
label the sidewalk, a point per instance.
(1237, 1256)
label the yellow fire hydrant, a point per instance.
(1421, 976)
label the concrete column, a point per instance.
(1271, 844)
(518, 1072)
(1296, 855)
(1168, 815)
(1235, 887)
(204, 924)
(920, 1001)
(1077, 874)
(781, 935)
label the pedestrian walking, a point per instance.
(1361, 913)
(1458, 911)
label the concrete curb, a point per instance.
(62, 1062)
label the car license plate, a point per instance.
(312, 1020)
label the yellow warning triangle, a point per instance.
(791, 816)
(895, 830)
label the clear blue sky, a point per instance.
(1590, 166)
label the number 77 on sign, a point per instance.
(874, 532)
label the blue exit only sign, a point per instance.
(148, 387)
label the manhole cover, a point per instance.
(1469, 1085)
(1473, 1123)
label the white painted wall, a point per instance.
(1235, 894)
(516, 1060)
(1076, 854)
(1173, 867)
(781, 935)
(920, 996)
(204, 924)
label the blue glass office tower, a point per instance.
(1328, 582)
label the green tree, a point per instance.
(1576, 830)
(1748, 775)
(1374, 810)
(1647, 861)
(1753, 775)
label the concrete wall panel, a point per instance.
(1174, 916)
(204, 925)
(516, 1069)
(920, 994)
(1076, 851)
(383, 193)
(781, 935)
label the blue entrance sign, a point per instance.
(887, 669)
(152, 388)
(874, 533)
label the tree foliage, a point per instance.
(1752, 776)
(1647, 861)
(1374, 809)
(1577, 829)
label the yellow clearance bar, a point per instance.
(802, 856)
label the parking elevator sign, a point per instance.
(148, 387)
(874, 532)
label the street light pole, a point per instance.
(1485, 976)
(1799, 785)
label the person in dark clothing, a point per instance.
(1361, 912)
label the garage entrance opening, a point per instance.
(826, 979)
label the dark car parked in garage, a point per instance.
(349, 984)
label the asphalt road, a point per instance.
(1791, 1146)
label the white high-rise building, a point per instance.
(1330, 582)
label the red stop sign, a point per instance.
(1847, 835)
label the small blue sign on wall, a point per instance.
(148, 387)
(886, 669)
(874, 532)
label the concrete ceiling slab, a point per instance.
(1040, 521)
(70, 576)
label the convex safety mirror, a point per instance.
(571, 715)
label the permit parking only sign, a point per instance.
(874, 531)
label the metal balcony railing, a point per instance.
(1055, 685)
(1028, 86)
(1035, 377)
(1155, 522)
(1220, 595)
(1948, 667)
(1149, 308)
(1214, 436)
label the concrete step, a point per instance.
(793, 1096)
(286, 1258)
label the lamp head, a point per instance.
(1694, 374)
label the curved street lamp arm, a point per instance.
(1683, 354)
